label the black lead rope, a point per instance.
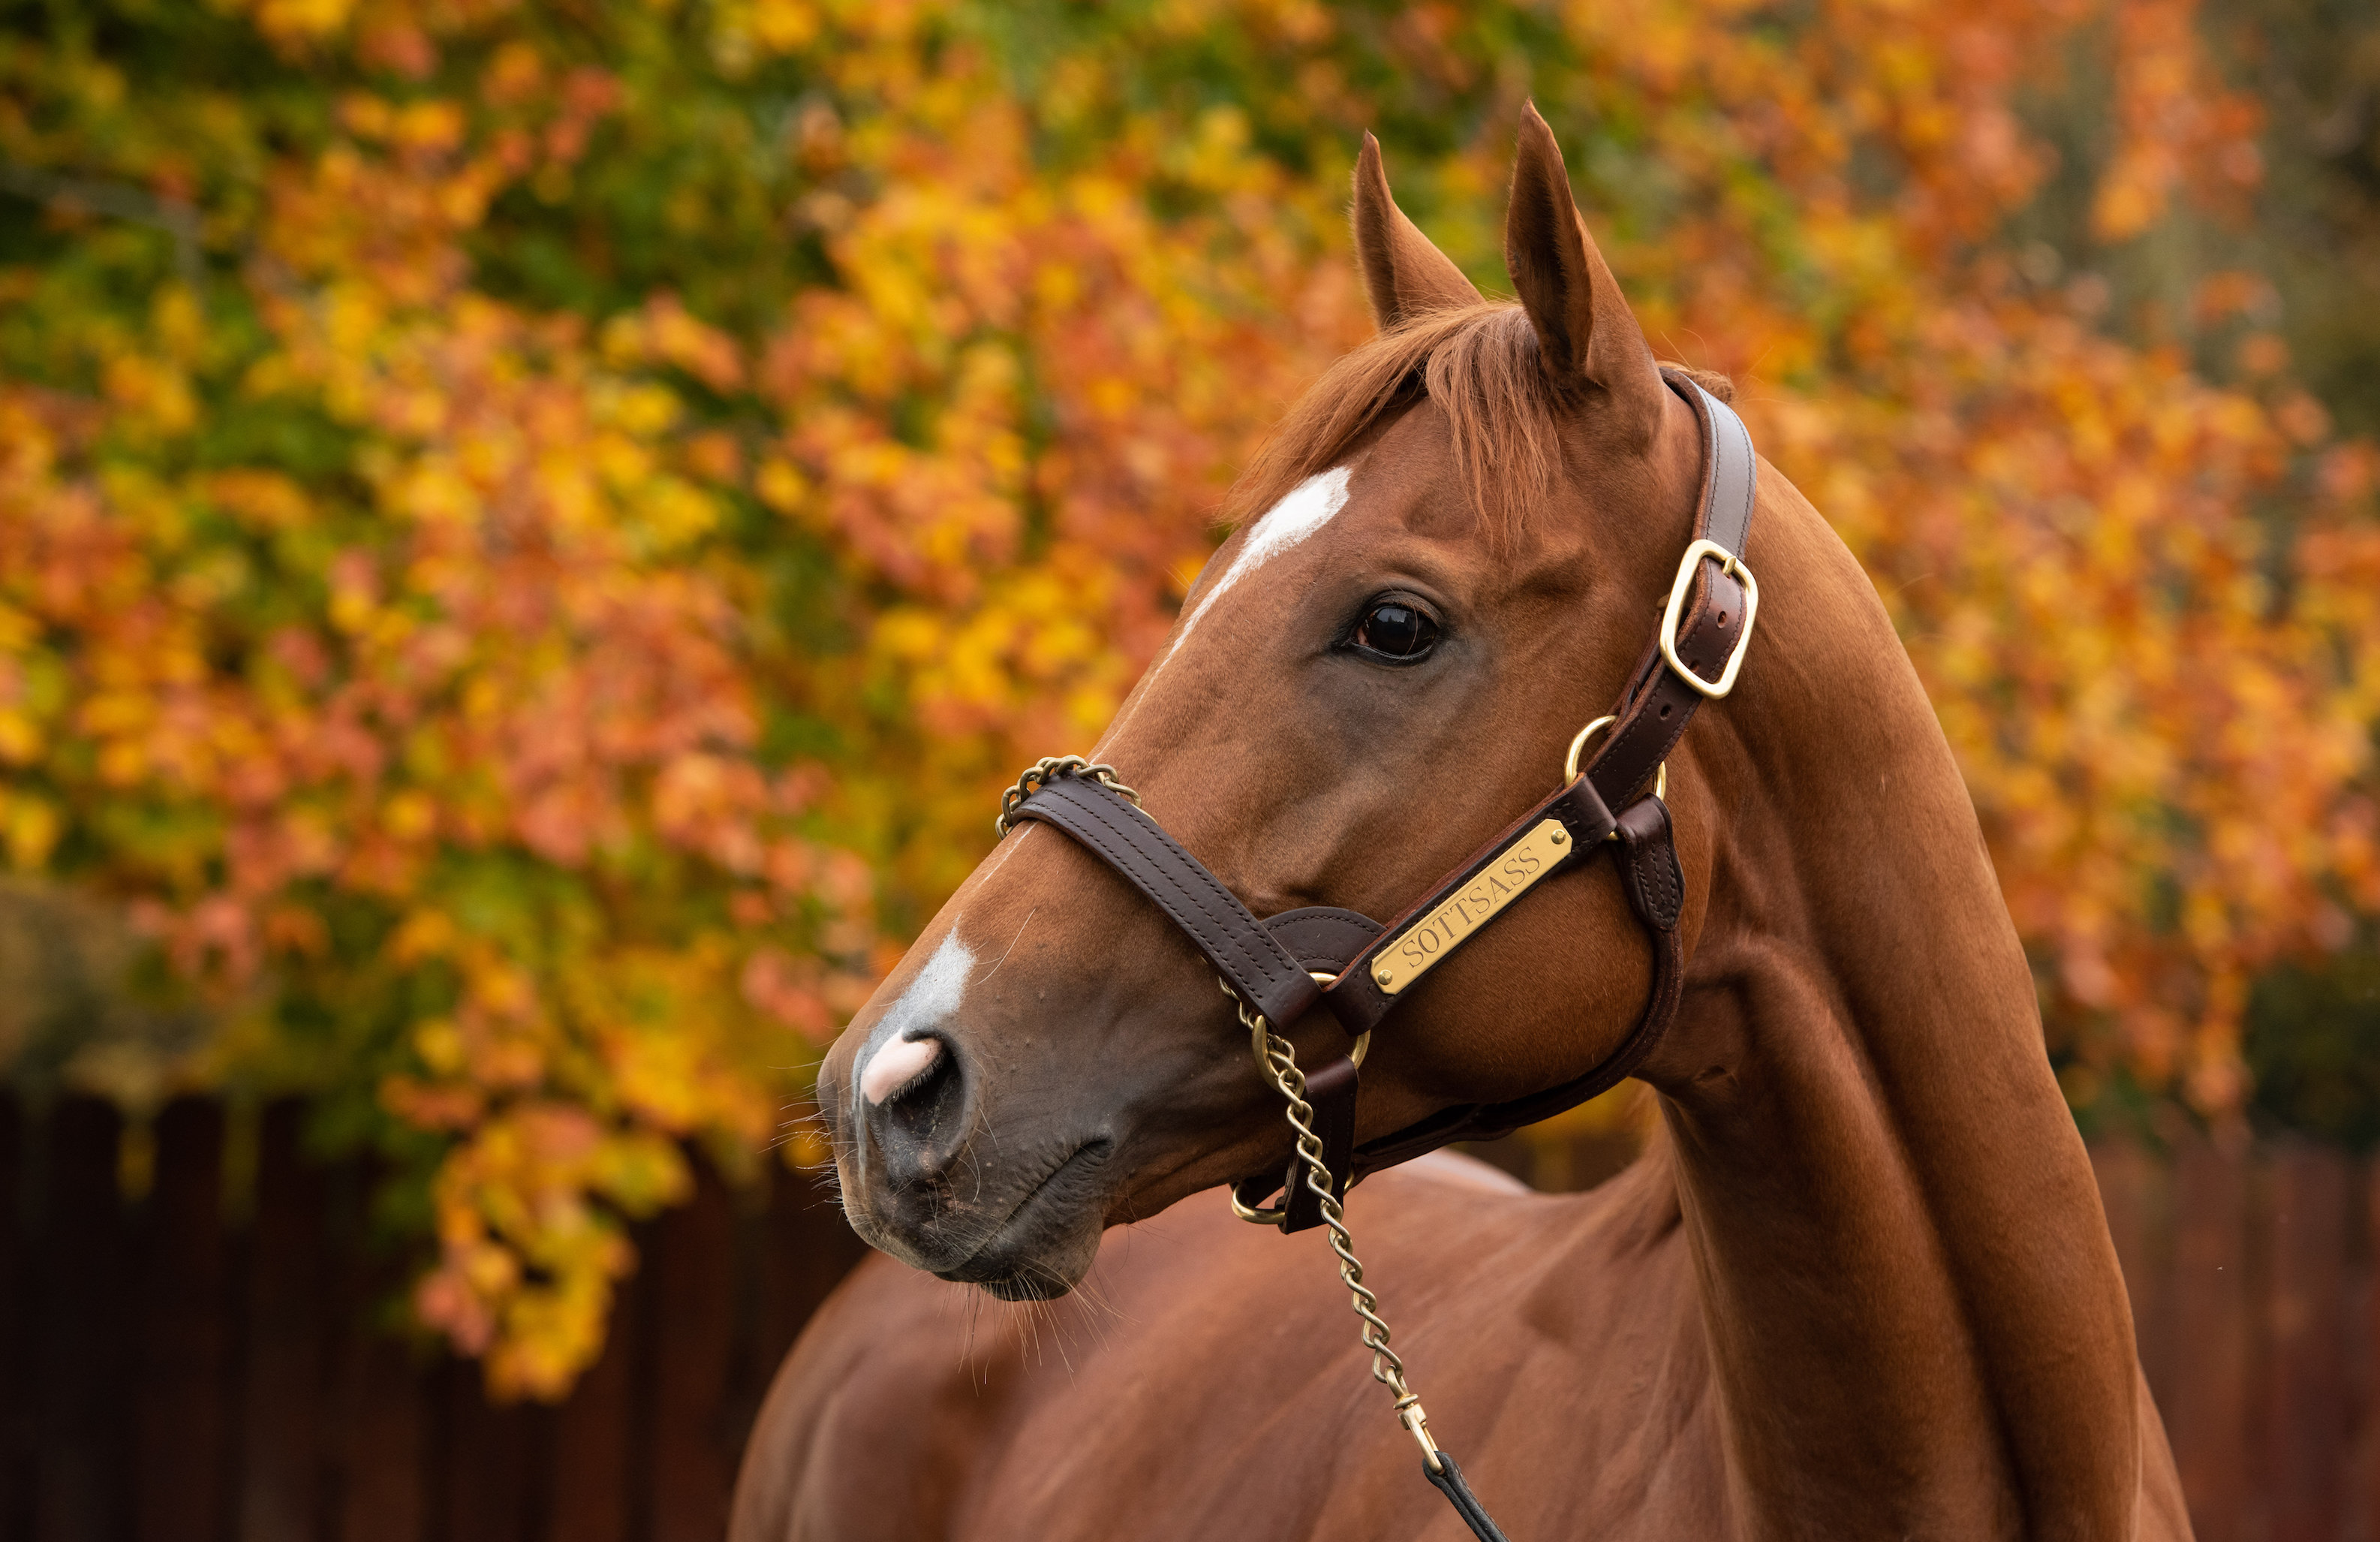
(1447, 1478)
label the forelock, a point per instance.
(1479, 365)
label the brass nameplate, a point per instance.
(1408, 957)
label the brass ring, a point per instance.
(1258, 1028)
(1259, 1031)
(1570, 762)
(1251, 1214)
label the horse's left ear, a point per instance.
(1587, 335)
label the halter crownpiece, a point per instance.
(1279, 968)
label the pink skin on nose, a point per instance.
(897, 1065)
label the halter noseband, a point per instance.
(1366, 969)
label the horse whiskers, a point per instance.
(974, 1166)
(977, 1370)
(1096, 1301)
(1050, 1314)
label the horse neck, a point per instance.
(1912, 1303)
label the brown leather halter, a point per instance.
(1270, 964)
(1280, 968)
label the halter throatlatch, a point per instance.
(1281, 967)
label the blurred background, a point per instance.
(531, 536)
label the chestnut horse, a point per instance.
(1859, 1285)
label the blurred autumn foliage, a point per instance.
(532, 534)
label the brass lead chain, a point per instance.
(1281, 1065)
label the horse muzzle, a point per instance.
(923, 1181)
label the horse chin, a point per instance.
(1035, 1245)
(1050, 1238)
(1037, 1262)
(1027, 1287)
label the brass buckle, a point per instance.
(1570, 764)
(1687, 567)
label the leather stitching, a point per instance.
(1219, 940)
(1222, 934)
(1305, 939)
(1624, 751)
(1656, 888)
(1661, 894)
(1480, 861)
(1304, 921)
(1216, 937)
(1742, 437)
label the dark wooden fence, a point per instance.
(2255, 1300)
(202, 1363)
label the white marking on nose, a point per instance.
(933, 996)
(897, 1065)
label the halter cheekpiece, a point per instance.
(1280, 968)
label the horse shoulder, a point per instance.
(867, 1427)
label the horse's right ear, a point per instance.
(1404, 275)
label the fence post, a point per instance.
(2306, 1408)
(380, 1438)
(691, 1263)
(2132, 1188)
(2365, 1521)
(493, 1494)
(281, 1407)
(594, 1478)
(2208, 1417)
(16, 1329)
(379, 1388)
(82, 1437)
(184, 1434)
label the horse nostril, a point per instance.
(895, 1065)
(915, 1090)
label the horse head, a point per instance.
(1460, 540)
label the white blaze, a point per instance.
(892, 1058)
(1303, 510)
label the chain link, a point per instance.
(1388, 1369)
(1038, 774)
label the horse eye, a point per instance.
(1396, 630)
